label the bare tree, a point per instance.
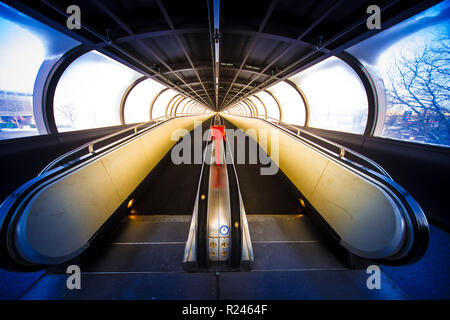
(419, 92)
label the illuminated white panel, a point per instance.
(159, 108)
(89, 92)
(292, 106)
(336, 96)
(271, 105)
(137, 106)
(259, 106)
(182, 105)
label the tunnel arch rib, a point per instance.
(303, 96)
(154, 100)
(125, 96)
(45, 86)
(373, 103)
(277, 102)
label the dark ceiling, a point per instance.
(259, 41)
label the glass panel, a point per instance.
(137, 107)
(292, 106)
(271, 105)
(159, 108)
(240, 109)
(412, 58)
(234, 110)
(259, 106)
(181, 108)
(192, 107)
(196, 106)
(245, 108)
(173, 104)
(89, 92)
(185, 109)
(336, 96)
(24, 45)
(248, 104)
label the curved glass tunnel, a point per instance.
(263, 150)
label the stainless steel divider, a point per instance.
(219, 227)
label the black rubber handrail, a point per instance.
(338, 151)
(202, 212)
(235, 207)
(109, 141)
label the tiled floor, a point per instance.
(143, 261)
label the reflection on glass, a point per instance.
(336, 96)
(413, 60)
(89, 92)
(137, 106)
(24, 46)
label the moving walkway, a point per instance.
(219, 237)
(84, 205)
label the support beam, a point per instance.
(253, 105)
(303, 96)
(263, 104)
(208, 67)
(175, 102)
(286, 50)
(254, 111)
(154, 100)
(146, 48)
(245, 108)
(186, 106)
(82, 36)
(214, 39)
(180, 43)
(277, 102)
(170, 101)
(304, 64)
(177, 105)
(252, 44)
(201, 30)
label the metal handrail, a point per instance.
(343, 151)
(90, 146)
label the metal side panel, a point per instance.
(219, 215)
(247, 258)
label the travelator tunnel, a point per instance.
(308, 160)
